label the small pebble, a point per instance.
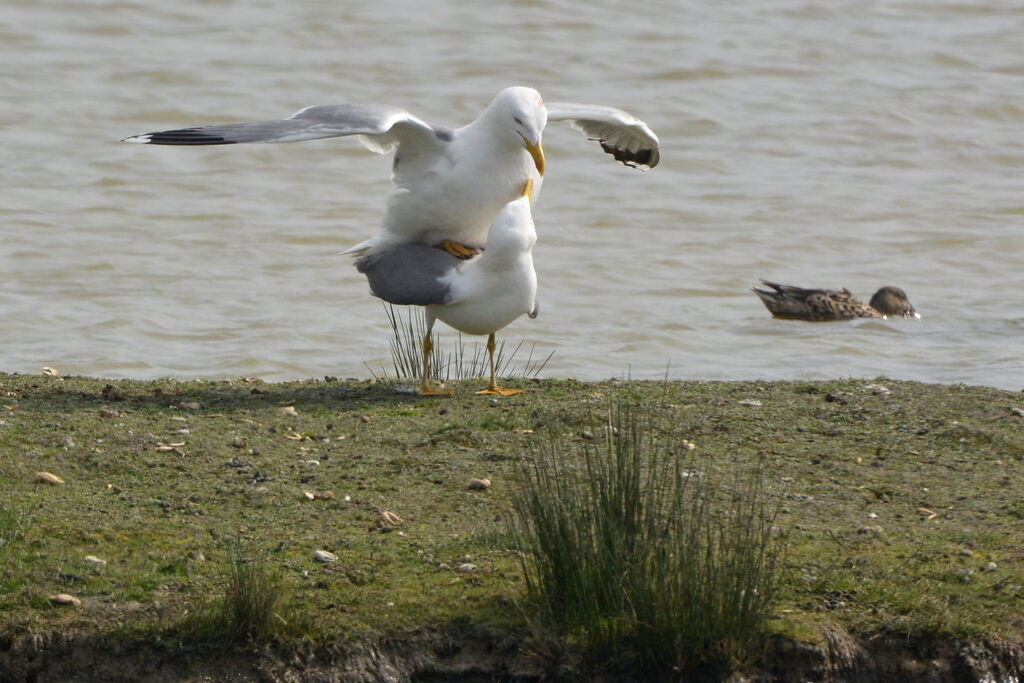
(752, 402)
(48, 478)
(872, 515)
(478, 484)
(65, 599)
(587, 434)
(467, 567)
(991, 567)
(93, 560)
(967, 552)
(324, 556)
(689, 445)
(287, 410)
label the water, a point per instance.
(840, 143)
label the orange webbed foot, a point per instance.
(495, 390)
(457, 250)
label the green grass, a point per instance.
(251, 607)
(639, 555)
(857, 482)
(408, 325)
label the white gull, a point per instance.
(451, 183)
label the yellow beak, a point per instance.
(536, 151)
(528, 189)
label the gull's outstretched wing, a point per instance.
(324, 121)
(382, 128)
(621, 134)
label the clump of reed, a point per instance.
(15, 522)
(250, 600)
(637, 557)
(250, 608)
(407, 329)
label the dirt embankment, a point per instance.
(486, 657)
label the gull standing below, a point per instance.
(476, 296)
(451, 183)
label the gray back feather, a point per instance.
(408, 274)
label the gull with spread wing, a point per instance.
(451, 183)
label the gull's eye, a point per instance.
(518, 120)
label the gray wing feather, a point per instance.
(408, 274)
(621, 134)
(392, 125)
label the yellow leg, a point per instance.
(425, 389)
(458, 250)
(493, 388)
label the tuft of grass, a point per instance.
(250, 600)
(457, 363)
(641, 557)
(251, 607)
(15, 522)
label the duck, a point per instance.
(821, 305)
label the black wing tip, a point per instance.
(180, 136)
(642, 159)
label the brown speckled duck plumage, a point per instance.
(817, 305)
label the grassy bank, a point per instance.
(901, 502)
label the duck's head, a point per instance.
(893, 302)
